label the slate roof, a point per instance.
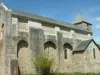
(79, 18)
(46, 19)
(84, 44)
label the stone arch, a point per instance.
(67, 50)
(50, 50)
(49, 44)
(24, 57)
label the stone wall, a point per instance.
(40, 33)
(81, 36)
(85, 61)
(2, 50)
(2, 65)
(48, 28)
(92, 64)
(25, 61)
(66, 32)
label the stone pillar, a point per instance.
(7, 41)
(41, 40)
(36, 42)
(37, 39)
(60, 47)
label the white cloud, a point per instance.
(98, 26)
(98, 18)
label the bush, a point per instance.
(43, 64)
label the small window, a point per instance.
(65, 53)
(94, 53)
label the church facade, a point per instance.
(23, 35)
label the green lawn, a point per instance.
(74, 73)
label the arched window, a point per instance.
(2, 31)
(94, 53)
(67, 50)
(65, 53)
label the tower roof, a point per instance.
(79, 18)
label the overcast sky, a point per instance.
(63, 10)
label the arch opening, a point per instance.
(51, 52)
(21, 44)
(22, 53)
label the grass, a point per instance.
(76, 73)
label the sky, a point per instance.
(63, 10)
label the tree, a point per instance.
(43, 64)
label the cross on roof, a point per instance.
(2, 1)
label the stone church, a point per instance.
(23, 35)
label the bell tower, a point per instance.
(82, 23)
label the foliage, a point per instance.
(43, 64)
